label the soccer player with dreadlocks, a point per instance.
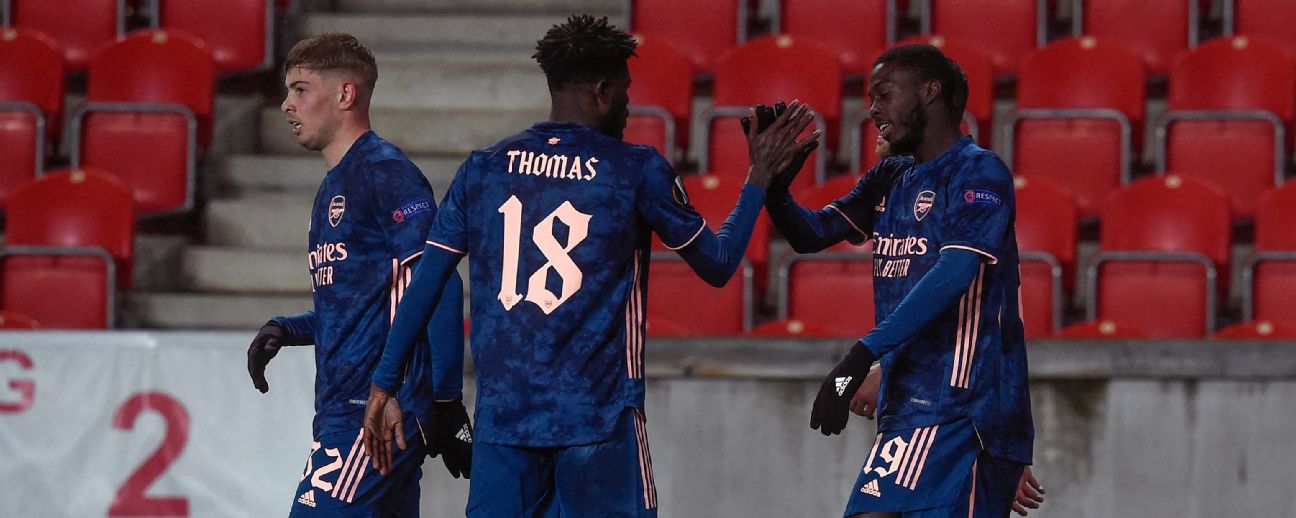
(557, 221)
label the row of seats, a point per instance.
(855, 30)
(1078, 122)
(240, 33)
(147, 114)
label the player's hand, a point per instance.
(382, 427)
(832, 404)
(864, 402)
(773, 149)
(452, 437)
(882, 148)
(264, 347)
(1030, 493)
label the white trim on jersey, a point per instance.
(993, 259)
(634, 317)
(446, 248)
(690, 240)
(849, 222)
(645, 461)
(969, 330)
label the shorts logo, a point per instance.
(982, 196)
(871, 488)
(923, 204)
(307, 499)
(336, 208)
(412, 208)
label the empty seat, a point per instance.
(149, 105)
(702, 30)
(765, 70)
(1156, 30)
(1101, 330)
(1257, 330)
(1047, 233)
(834, 289)
(855, 30)
(1080, 107)
(69, 245)
(79, 30)
(1018, 27)
(31, 105)
(661, 97)
(1230, 104)
(1269, 20)
(680, 302)
(239, 33)
(1163, 241)
(1269, 276)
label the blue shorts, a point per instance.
(936, 471)
(608, 478)
(340, 479)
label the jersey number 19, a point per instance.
(556, 255)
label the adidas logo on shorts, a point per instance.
(871, 488)
(307, 499)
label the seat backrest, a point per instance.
(78, 30)
(31, 70)
(835, 290)
(662, 76)
(234, 30)
(702, 30)
(1273, 220)
(1168, 213)
(1156, 30)
(1257, 330)
(780, 68)
(75, 207)
(1269, 20)
(156, 66)
(12, 320)
(856, 30)
(709, 311)
(1047, 220)
(1007, 41)
(1084, 72)
(1234, 74)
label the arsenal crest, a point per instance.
(923, 204)
(336, 208)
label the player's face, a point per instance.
(615, 105)
(312, 108)
(897, 109)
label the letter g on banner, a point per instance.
(25, 388)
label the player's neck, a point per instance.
(573, 107)
(342, 142)
(936, 142)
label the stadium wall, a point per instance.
(1146, 429)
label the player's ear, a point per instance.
(930, 91)
(603, 93)
(347, 93)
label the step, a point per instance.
(252, 174)
(387, 31)
(603, 7)
(267, 221)
(452, 81)
(245, 270)
(418, 131)
(169, 310)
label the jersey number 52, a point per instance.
(556, 255)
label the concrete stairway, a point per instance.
(454, 75)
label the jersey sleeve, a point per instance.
(662, 202)
(449, 230)
(859, 205)
(980, 208)
(403, 203)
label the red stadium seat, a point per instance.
(1101, 330)
(819, 196)
(702, 30)
(1269, 276)
(1257, 330)
(1080, 105)
(793, 328)
(239, 33)
(856, 30)
(743, 79)
(1269, 20)
(1018, 28)
(680, 302)
(977, 120)
(661, 97)
(1156, 30)
(13, 321)
(70, 238)
(714, 197)
(1047, 233)
(1163, 240)
(834, 289)
(149, 106)
(78, 30)
(31, 104)
(1230, 104)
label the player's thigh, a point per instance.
(994, 485)
(340, 480)
(511, 481)
(609, 478)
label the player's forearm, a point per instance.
(806, 230)
(412, 315)
(716, 256)
(934, 293)
(446, 336)
(299, 329)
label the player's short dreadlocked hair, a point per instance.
(583, 50)
(931, 65)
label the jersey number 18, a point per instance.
(556, 255)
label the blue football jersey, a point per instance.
(971, 360)
(556, 222)
(367, 226)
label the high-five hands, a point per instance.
(772, 146)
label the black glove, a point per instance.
(264, 347)
(764, 117)
(832, 405)
(452, 437)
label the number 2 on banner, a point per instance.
(131, 499)
(556, 254)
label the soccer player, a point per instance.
(366, 232)
(954, 422)
(557, 222)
